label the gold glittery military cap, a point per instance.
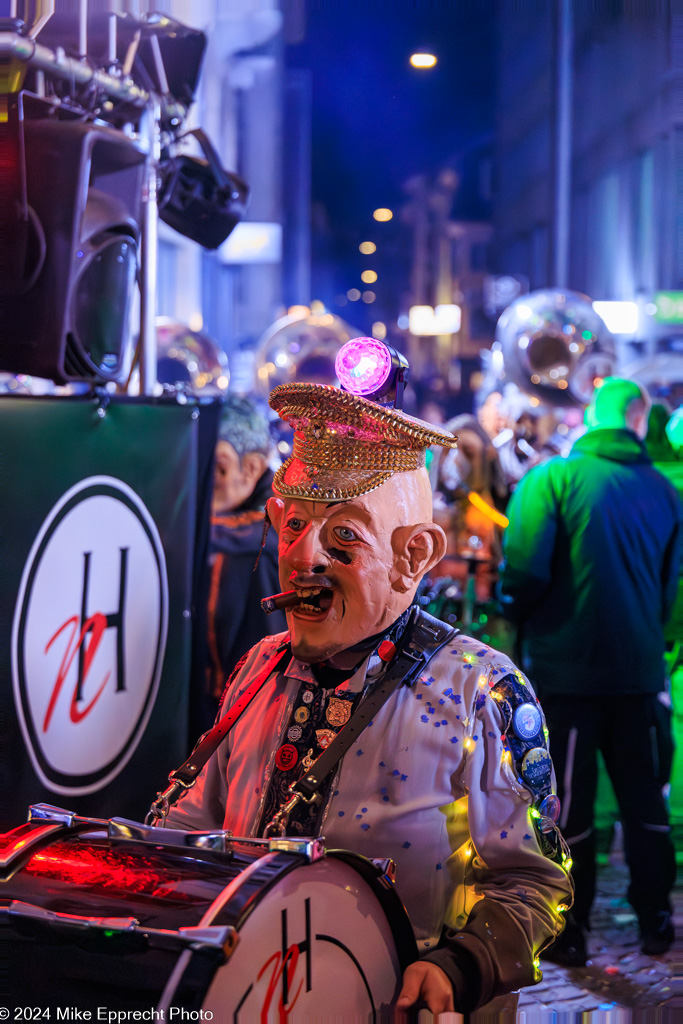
(345, 445)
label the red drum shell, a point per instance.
(313, 938)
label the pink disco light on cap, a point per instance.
(372, 369)
(363, 365)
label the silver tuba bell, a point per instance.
(555, 346)
(301, 346)
(190, 361)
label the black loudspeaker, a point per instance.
(70, 249)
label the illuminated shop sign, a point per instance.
(669, 307)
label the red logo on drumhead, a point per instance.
(89, 635)
(286, 757)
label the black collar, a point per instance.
(328, 675)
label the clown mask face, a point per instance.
(234, 478)
(357, 563)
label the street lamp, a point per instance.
(423, 60)
(433, 321)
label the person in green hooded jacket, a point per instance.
(590, 576)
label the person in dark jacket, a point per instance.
(590, 577)
(668, 461)
(239, 576)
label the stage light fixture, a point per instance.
(198, 197)
(155, 52)
(372, 369)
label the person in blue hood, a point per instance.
(244, 569)
(590, 576)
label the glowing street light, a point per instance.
(423, 60)
(367, 248)
(620, 317)
(368, 276)
(299, 311)
(383, 214)
(429, 321)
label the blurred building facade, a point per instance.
(580, 187)
(448, 216)
(257, 114)
(589, 158)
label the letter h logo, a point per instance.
(115, 621)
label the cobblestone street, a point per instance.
(619, 984)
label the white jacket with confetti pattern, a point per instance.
(428, 783)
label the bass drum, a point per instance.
(196, 926)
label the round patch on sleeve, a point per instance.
(550, 807)
(526, 721)
(536, 767)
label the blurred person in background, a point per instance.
(526, 438)
(489, 414)
(471, 533)
(669, 461)
(590, 577)
(665, 457)
(239, 577)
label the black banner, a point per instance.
(99, 533)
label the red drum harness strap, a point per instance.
(184, 778)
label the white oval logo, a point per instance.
(89, 635)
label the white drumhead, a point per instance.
(317, 943)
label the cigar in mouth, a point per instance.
(280, 602)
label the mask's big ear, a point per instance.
(274, 510)
(418, 549)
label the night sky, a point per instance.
(376, 120)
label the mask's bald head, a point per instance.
(406, 497)
(367, 553)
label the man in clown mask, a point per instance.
(452, 780)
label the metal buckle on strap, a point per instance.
(279, 822)
(162, 805)
(412, 653)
